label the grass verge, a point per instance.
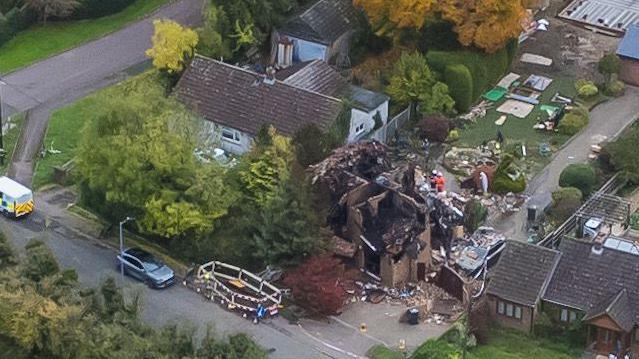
(382, 352)
(39, 42)
(11, 137)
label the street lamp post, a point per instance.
(127, 219)
(2, 83)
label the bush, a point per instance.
(486, 69)
(460, 85)
(615, 88)
(579, 175)
(508, 178)
(565, 201)
(474, 214)
(7, 256)
(620, 155)
(315, 284)
(586, 88)
(435, 349)
(91, 9)
(453, 136)
(573, 122)
(434, 128)
(39, 262)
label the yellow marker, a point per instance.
(402, 345)
(362, 327)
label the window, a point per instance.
(509, 309)
(567, 315)
(359, 129)
(134, 262)
(230, 135)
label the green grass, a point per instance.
(11, 137)
(508, 344)
(63, 134)
(39, 42)
(382, 352)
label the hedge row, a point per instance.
(460, 86)
(13, 21)
(486, 69)
(91, 9)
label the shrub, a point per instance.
(7, 256)
(309, 145)
(579, 175)
(508, 178)
(453, 136)
(39, 262)
(573, 122)
(91, 9)
(609, 65)
(620, 155)
(474, 215)
(460, 84)
(434, 128)
(586, 88)
(315, 284)
(615, 88)
(565, 201)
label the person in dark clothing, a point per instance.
(500, 137)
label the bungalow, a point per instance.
(595, 284)
(628, 52)
(321, 32)
(239, 102)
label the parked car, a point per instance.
(141, 265)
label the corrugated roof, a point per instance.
(241, 99)
(629, 46)
(613, 15)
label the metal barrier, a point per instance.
(212, 274)
(387, 132)
(610, 187)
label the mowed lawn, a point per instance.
(517, 129)
(508, 344)
(39, 42)
(63, 134)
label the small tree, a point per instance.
(609, 65)
(48, 8)
(173, 46)
(565, 201)
(316, 284)
(309, 142)
(434, 128)
(580, 176)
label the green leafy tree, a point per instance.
(581, 176)
(620, 155)
(173, 46)
(214, 39)
(413, 82)
(609, 65)
(565, 201)
(48, 8)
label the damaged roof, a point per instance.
(589, 281)
(522, 272)
(629, 46)
(324, 22)
(244, 100)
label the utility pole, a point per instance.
(2, 83)
(127, 219)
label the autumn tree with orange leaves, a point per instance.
(486, 24)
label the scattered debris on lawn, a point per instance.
(508, 80)
(539, 83)
(478, 111)
(535, 59)
(516, 108)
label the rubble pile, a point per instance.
(464, 161)
(505, 204)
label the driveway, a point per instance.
(62, 79)
(607, 121)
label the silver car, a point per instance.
(141, 265)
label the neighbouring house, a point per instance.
(321, 32)
(593, 281)
(628, 52)
(239, 102)
(514, 302)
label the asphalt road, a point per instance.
(62, 79)
(74, 242)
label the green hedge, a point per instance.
(91, 9)
(486, 69)
(13, 21)
(460, 85)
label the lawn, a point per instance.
(63, 134)
(11, 137)
(39, 42)
(516, 129)
(382, 352)
(508, 344)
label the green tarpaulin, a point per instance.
(495, 94)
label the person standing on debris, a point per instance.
(500, 137)
(432, 180)
(440, 182)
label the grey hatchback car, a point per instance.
(141, 265)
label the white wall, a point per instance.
(211, 136)
(362, 117)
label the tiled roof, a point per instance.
(618, 309)
(319, 77)
(522, 272)
(324, 22)
(588, 281)
(629, 46)
(241, 99)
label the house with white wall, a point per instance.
(239, 102)
(322, 31)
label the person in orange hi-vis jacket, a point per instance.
(440, 182)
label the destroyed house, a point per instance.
(596, 285)
(323, 31)
(390, 229)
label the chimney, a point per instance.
(269, 78)
(597, 243)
